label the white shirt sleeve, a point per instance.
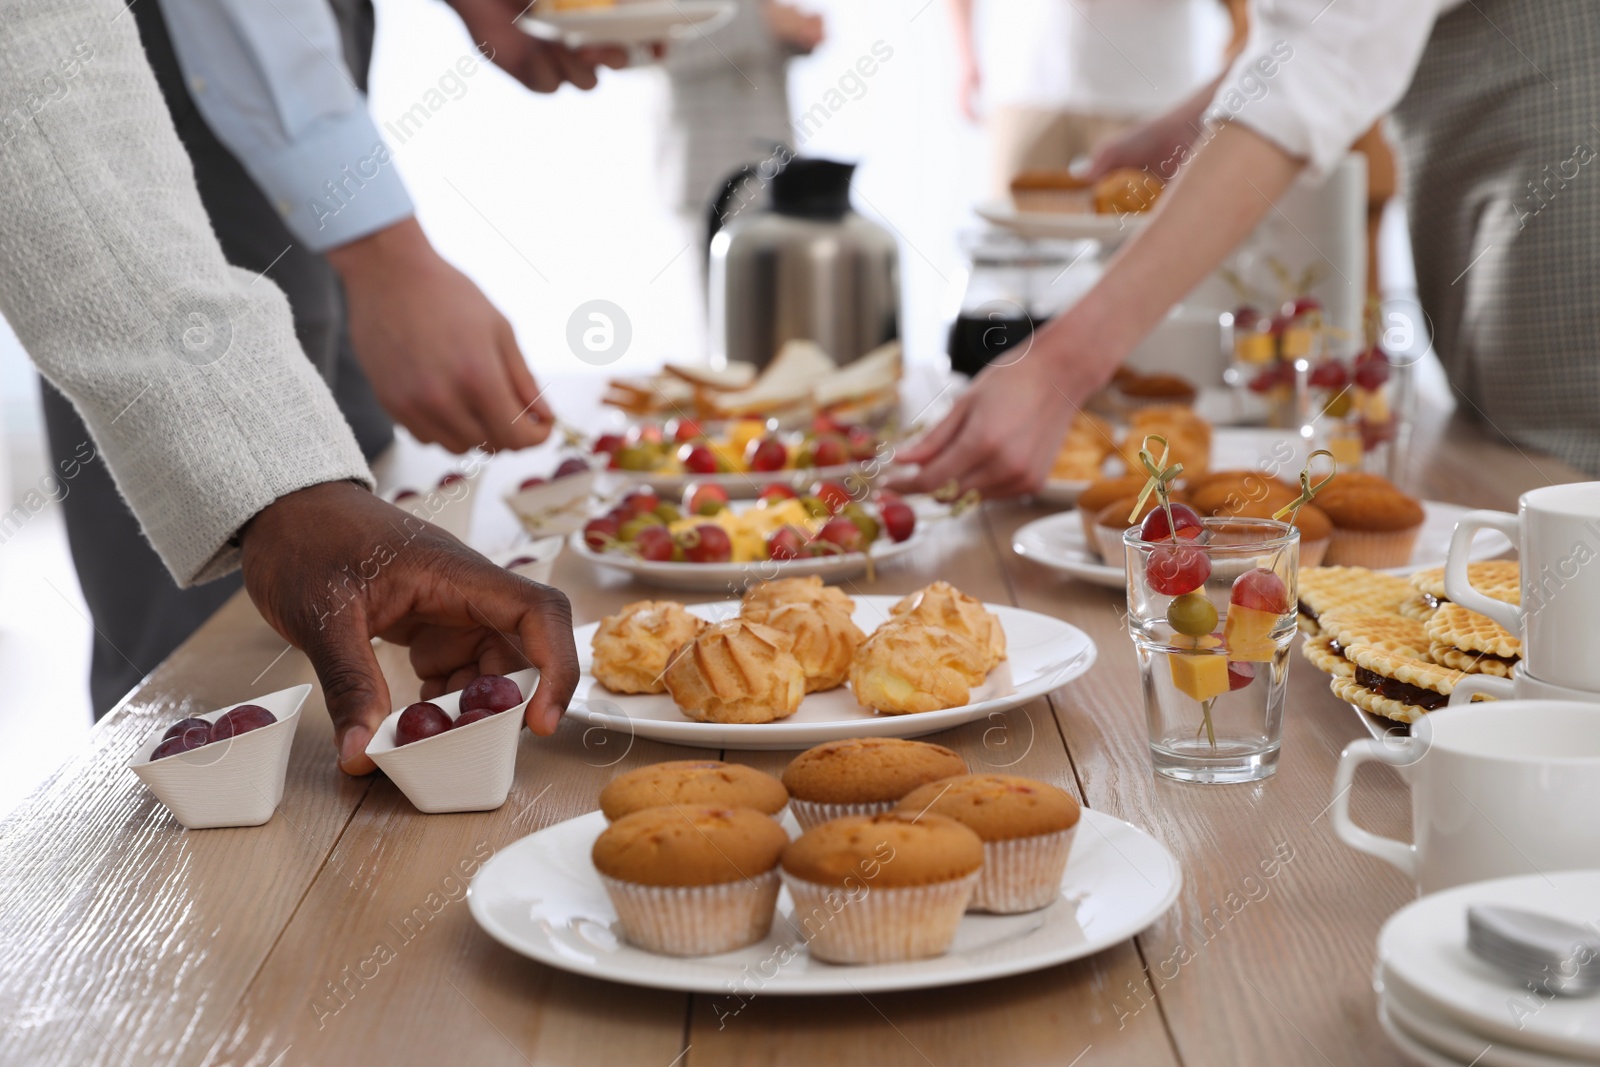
(1316, 74)
(272, 83)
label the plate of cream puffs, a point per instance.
(796, 662)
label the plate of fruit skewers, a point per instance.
(708, 543)
(743, 456)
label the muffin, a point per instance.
(1153, 390)
(632, 647)
(691, 782)
(942, 604)
(1188, 438)
(1026, 827)
(824, 635)
(691, 881)
(737, 672)
(1316, 529)
(907, 667)
(1227, 492)
(1114, 519)
(862, 776)
(881, 888)
(1375, 525)
(1098, 494)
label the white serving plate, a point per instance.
(1423, 956)
(747, 485)
(1042, 654)
(732, 578)
(237, 782)
(638, 22)
(1232, 448)
(1422, 1032)
(1056, 541)
(1109, 230)
(541, 897)
(469, 769)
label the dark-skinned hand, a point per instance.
(331, 566)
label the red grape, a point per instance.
(1155, 526)
(698, 459)
(863, 442)
(647, 434)
(419, 722)
(1240, 674)
(569, 466)
(1271, 377)
(898, 519)
(598, 533)
(490, 692)
(532, 483)
(640, 502)
(686, 430)
(1302, 305)
(1262, 590)
(822, 423)
(451, 479)
(1329, 374)
(767, 454)
(704, 499)
(843, 533)
(707, 543)
(467, 718)
(654, 543)
(1173, 570)
(184, 742)
(777, 493)
(1245, 316)
(405, 494)
(520, 561)
(183, 725)
(830, 451)
(241, 720)
(785, 542)
(832, 494)
(1373, 373)
(608, 443)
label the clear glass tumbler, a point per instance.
(1212, 618)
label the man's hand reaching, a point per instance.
(331, 566)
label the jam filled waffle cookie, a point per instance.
(1324, 589)
(1497, 578)
(1386, 630)
(1420, 607)
(1327, 656)
(1471, 642)
(1393, 685)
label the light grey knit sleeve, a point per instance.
(186, 370)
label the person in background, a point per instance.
(1058, 78)
(1493, 102)
(730, 98)
(269, 103)
(235, 455)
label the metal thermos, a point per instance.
(808, 267)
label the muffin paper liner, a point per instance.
(1023, 873)
(700, 920)
(811, 814)
(1312, 552)
(879, 925)
(1365, 548)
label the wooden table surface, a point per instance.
(125, 939)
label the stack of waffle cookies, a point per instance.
(1397, 647)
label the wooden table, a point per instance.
(126, 940)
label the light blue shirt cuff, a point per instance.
(334, 184)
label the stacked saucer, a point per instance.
(1443, 1006)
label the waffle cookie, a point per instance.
(1327, 656)
(1324, 589)
(1394, 685)
(1420, 607)
(1455, 626)
(1497, 578)
(1387, 630)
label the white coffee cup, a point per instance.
(1497, 789)
(1520, 686)
(1557, 533)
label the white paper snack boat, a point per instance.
(469, 769)
(448, 507)
(559, 506)
(236, 782)
(543, 552)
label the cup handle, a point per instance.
(1389, 850)
(1486, 684)
(1456, 584)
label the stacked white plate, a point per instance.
(1444, 1007)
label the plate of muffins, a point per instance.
(796, 662)
(1359, 520)
(1395, 648)
(872, 864)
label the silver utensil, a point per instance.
(1550, 954)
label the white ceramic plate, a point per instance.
(1439, 1036)
(640, 22)
(1071, 226)
(541, 897)
(1423, 952)
(1278, 452)
(732, 578)
(1056, 541)
(1042, 654)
